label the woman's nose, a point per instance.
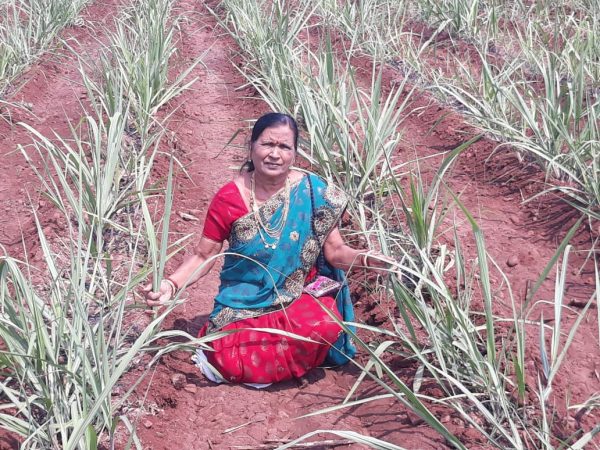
(275, 152)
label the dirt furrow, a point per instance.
(202, 415)
(212, 113)
(51, 96)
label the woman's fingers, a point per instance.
(153, 295)
(381, 264)
(158, 298)
(153, 303)
(164, 298)
(379, 260)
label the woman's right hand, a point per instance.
(160, 297)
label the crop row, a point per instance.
(351, 134)
(27, 29)
(68, 343)
(529, 78)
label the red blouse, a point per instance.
(226, 207)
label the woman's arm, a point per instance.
(190, 271)
(339, 255)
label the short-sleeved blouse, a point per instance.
(225, 208)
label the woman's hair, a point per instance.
(268, 121)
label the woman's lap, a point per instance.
(251, 356)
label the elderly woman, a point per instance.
(285, 251)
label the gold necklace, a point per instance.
(274, 232)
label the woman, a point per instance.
(281, 225)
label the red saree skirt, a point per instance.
(250, 356)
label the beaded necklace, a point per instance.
(274, 232)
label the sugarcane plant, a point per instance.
(27, 29)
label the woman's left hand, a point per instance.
(378, 262)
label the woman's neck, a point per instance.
(267, 187)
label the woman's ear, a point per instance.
(249, 153)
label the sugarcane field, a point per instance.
(299, 224)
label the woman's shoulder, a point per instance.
(297, 175)
(327, 191)
(318, 181)
(227, 187)
(229, 193)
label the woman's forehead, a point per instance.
(279, 132)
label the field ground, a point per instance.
(194, 413)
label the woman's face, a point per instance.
(273, 152)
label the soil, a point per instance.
(175, 406)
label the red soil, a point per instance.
(199, 414)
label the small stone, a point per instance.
(512, 261)
(415, 420)
(515, 219)
(446, 418)
(191, 388)
(148, 424)
(188, 217)
(159, 434)
(178, 380)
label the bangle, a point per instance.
(171, 283)
(174, 282)
(364, 259)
